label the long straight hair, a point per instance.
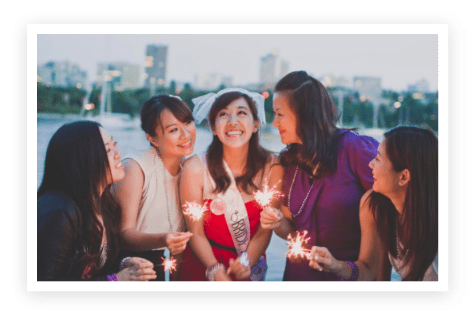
(415, 149)
(316, 126)
(257, 155)
(77, 166)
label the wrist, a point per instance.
(211, 271)
(354, 271)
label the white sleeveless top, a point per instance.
(152, 216)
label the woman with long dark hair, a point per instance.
(152, 218)
(77, 215)
(228, 242)
(325, 175)
(404, 202)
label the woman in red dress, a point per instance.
(228, 242)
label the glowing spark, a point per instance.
(169, 264)
(263, 198)
(194, 210)
(297, 246)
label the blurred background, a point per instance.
(376, 81)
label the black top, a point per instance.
(60, 241)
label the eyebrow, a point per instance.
(112, 139)
(173, 124)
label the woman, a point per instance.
(404, 202)
(77, 216)
(325, 175)
(223, 180)
(152, 218)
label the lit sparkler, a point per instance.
(263, 198)
(297, 246)
(169, 264)
(194, 210)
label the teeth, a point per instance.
(186, 144)
(235, 133)
(119, 165)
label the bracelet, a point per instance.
(123, 262)
(112, 278)
(355, 272)
(212, 270)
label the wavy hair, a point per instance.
(415, 149)
(316, 119)
(77, 165)
(257, 155)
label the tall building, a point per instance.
(122, 76)
(272, 69)
(421, 86)
(155, 65)
(369, 89)
(62, 74)
(211, 81)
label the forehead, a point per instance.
(280, 100)
(105, 136)
(167, 118)
(381, 148)
(239, 102)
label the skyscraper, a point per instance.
(272, 69)
(155, 65)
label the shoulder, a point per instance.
(57, 207)
(193, 165)
(365, 199)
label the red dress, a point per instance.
(216, 229)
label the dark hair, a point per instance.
(77, 165)
(257, 155)
(415, 149)
(316, 119)
(150, 112)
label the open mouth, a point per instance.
(186, 145)
(234, 133)
(119, 165)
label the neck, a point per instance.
(398, 201)
(171, 163)
(236, 158)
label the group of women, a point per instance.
(365, 208)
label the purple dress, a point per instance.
(331, 212)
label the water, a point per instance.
(130, 138)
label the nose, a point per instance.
(117, 153)
(185, 132)
(371, 164)
(275, 122)
(232, 118)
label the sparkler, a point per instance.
(194, 210)
(263, 198)
(169, 264)
(297, 246)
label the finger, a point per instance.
(315, 265)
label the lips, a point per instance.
(119, 165)
(234, 133)
(186, 145)
(282, 131)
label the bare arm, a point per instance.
(191, 190)
(371, 250)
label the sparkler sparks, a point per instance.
(169, 264)
(194, 210)
(297, 246)
(263, 198)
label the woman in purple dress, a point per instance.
(326, 174)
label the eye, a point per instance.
(173, 130)
(222, 114)
(243, 113)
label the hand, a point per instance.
(322, 260)
(271, 218)
(241, 272)
(222, 276)
(176, 242)
(137, 269)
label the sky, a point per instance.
(399, 60)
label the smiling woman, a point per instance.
(152, 218)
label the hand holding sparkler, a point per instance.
(169, 264)
(297, 246)
(322, 260)
(136, 269)
(264, 198)
(177, 241)
(270, 218)
(240, 267)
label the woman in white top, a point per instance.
(404, 202)
(228, 242)
(152, 218)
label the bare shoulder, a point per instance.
(193, 165)
(364, 201)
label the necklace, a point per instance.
(305, 199)
(166, 190)
(396, 238)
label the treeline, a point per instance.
(422, 111)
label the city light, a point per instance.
(397, 104)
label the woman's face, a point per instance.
(385, 177)
(113, 156)
(234, 125)
(174, 138)
(285, 119)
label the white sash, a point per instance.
(237, 220)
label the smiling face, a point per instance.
(285, 119)
(234, 125)
(113, 156)
(173, 138)
(386, 179)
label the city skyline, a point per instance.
(399, 60)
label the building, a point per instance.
(421, 86)
(272, 69)
(333, 81)
(370, 90)
(212, 81)
(122, 76)
(155, 66)
(62, 74)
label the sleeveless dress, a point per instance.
(218, 234)
(398, 270)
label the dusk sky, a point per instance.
(399, 60)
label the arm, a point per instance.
(128, 193)
(371, 250)
(191, 190)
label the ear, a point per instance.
(404, 178)
(151, 139)
(256, 126)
